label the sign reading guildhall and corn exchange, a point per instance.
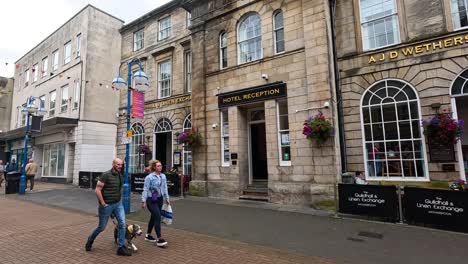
(253, 94)
(419, 49)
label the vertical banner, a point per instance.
(138, 105)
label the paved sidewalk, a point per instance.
(33, 233)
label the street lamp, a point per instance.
(142, 85)
(32, 107)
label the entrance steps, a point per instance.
(256, 192)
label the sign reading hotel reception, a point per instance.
(138, 106)
(254, 94)
(369, 200)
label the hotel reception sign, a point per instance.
(254, 94)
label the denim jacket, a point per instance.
(155, 183)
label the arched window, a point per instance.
(460, 85)
(278, 27)
(223, 50)
(393, 143)
(187, 169)
(163, 125)
(249, 37)
(136, 159)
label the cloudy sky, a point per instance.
(25, 23)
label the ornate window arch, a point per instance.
(393, 144)
(163, 125)
(460, 84)
(249, 36)
(138, 138)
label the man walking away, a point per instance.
(108, 193)
(31, 170)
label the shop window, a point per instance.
(225, 152)
(279, 31)
(250, 38)
(136, 159)
(284, 145)
(223, 50)
(379, 23)
(187, 169)
(53, 164)
(394, 147)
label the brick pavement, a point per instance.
(32, 233)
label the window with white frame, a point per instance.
(55, 63)
(223, 50)
(23, 115)
(67, 52)
(188, 71)
(379, 23)
(164, 79)
(26, 78)
(138, 40)
(42, 102)
(76, 94)
(78, 45)
(45, 66)
(225, 152)
(459, 13)
(35, 71)
(164, 28)
(137, 159)
(19, 114)
(64, 102)
(391, 124)
(52, 100)
(187, 168)
(53, 160)
(250, 38)
(278, 26)
(284, 144)
(188, 19)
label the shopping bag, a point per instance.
(166, 214)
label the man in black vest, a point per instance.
(108, 192)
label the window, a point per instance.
(223, 50)
(52, 99)
(284, 144)
(45, 66)
(226, 154)
(35, 71)
(67, 53)
(250, 38)
(138, 40)
(188, 19)
(64, 102)
(379, 23)
(23, 114)
(164, 79)
(188, 71)
(26, 78)
(187, 168)
(56, 60)
(76, 94)
(164, 28)
(42, 102)
(137, 159)
(279, 31)
(393, 148)
(78, 45)
(53, 160)
(459, 13)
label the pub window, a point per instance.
(137, 159)
(279, 31)
(187, 169)
(225, 153)
(379, 23)
(284, 145)
(223, 50)
(394, 147)
(250, 38)
(164, 79)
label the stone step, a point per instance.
(260, 198)
(255, 192)
(256, 189)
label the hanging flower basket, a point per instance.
(442, 128)
(190, 137)
(144, 149)
(318, 128)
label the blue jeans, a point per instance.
(104, 214)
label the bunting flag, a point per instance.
(33, 70)
(17, 66)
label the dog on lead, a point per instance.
(131, 232)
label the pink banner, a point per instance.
(138, 107)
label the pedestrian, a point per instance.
(31, 170)
(154, 191)
(2, 172)
(12, 166)
(108, 193)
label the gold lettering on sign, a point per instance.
(448, 43)
(407, 51)
(168, 102)
(393, 54)
(371, 59)
(458, 40)
(383, 57)
(437, 45)
(418, 49)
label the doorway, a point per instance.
(257, 148)
(164, 149)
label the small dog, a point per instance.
(131, 232)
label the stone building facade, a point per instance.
(260, 68)
(160, 40)
(69, 73)
(401, 63)
(6, 98)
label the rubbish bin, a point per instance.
(12, 180)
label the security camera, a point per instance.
(214, 126)
(264, 76)
(326, 104)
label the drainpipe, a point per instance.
(339, 101)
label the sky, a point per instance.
(25, 23)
